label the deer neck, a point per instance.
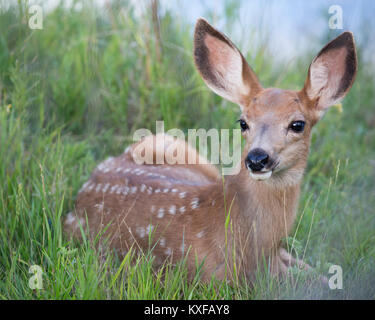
(263, 212)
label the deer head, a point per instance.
(276, 123)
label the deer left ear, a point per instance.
(222, 66)
(331, 73)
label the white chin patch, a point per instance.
(261, 176)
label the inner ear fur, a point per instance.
(331, 73)
(222, 66)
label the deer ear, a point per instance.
(331, 73)
(222, 66)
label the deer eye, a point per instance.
(297, 126)
(243, 125)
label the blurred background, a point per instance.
(74, 91)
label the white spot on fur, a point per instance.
(172, 209)
(141, 231)
(98, 187)
(85, 185)
(70, 218)
(182, 195)
(99, 206)
(105, 166)
(157, 190)
(182, 209)
(161, 212)
(166, 190)
(149, 190)
(91, 186)
(152, 209)
(213, 202)
(200, 234)
(195, 203)
(125, 191)
(106, 186)
(143, 188)
(174, 190)
(168, 251)
(162, 242)
(133, 189)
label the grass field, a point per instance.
(73, 93)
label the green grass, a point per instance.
(73, 93)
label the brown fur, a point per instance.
(181, 208)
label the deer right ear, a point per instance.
(222, 66)
(331, 74)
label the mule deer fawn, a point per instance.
(185, 207)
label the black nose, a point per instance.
(256, 159)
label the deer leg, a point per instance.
(278, 267)
(290, 261)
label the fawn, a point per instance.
(183, 206)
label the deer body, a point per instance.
(182, 209)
